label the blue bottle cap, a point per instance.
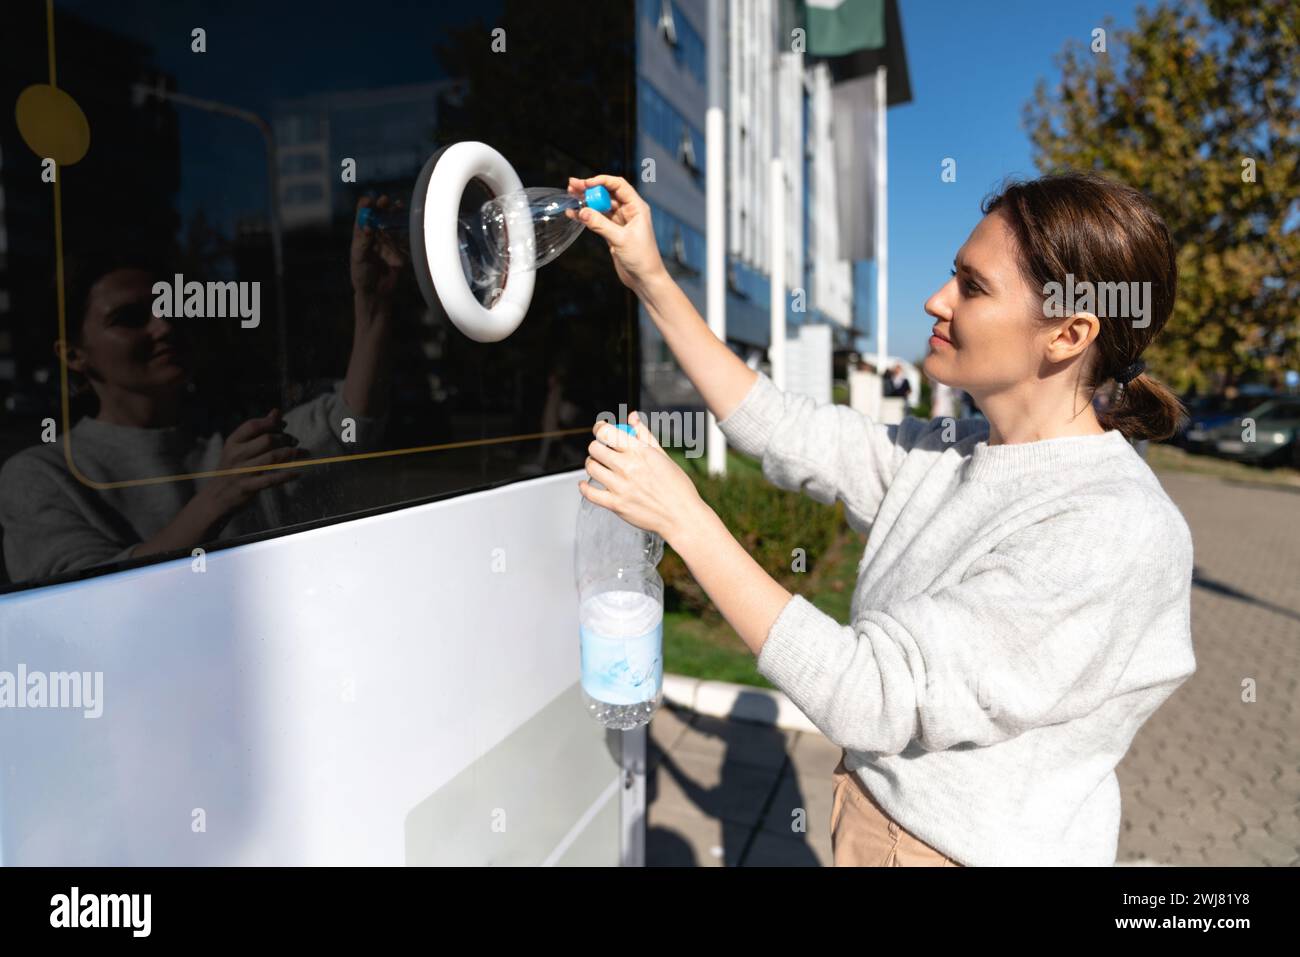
(597, 198)
(377, 218)
(623, 425)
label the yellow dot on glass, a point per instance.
(52, 124)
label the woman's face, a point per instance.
(990, 333)
(123, 345)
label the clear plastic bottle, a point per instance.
(522, 230)
(620, 617)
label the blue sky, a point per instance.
(973, 68)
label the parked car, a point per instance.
(1276, 439)
(1208, 412)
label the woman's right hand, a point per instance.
(260, 441)
(627, 229)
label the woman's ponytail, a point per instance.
(1143, 408)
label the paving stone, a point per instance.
(738, 742)
(814, 753)
(692, 783)
(666, 728)
(1216, 779)
(771, 850)
(686, 839)
(809, 794)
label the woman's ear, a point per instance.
(72, 356)
(1073, 336)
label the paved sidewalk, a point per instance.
(1209, 780)
(1212, 779)
(734, 793)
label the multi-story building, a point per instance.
(779, 104)
(672, 96)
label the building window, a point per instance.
(298, 128)
(748, 283)
(688, 46)
(303, 193)
(300, 163)
(667, 127)
(686, 151)
(667, 28)
(678, 240)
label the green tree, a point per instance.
(1198, 106)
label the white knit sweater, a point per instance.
(1020, 611)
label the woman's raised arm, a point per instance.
(717, 373)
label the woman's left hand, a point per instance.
(643, 486)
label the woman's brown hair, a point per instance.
(1099, 231)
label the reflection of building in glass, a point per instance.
(388, 132)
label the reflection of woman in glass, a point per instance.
(135, 364)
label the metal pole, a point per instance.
(776, 203)
(632, 788)
(882, 230)
(776, 349)
(715, 217)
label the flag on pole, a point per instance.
(853, 115)
(837, 27)
(854, 38)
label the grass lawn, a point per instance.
(736, 463)
(705, 646)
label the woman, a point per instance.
(55, 510)
(1022, 606)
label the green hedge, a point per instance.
(767, 521)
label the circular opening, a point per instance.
(472, 253)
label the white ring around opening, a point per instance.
(459, 164)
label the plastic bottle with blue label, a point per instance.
(620, 616)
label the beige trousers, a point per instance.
(864, 835)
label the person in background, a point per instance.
(897, 384)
